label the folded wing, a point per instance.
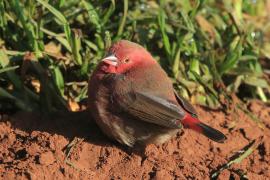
(153, 109)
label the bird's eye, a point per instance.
(126, 60)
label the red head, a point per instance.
(123, 56)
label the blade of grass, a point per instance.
(3, 20)
(239, 156)
(58, 79)
(162, 24)
(59, 38)
(123, 19)
(76, 46)
(11, 75)
(8, 69)
(232, 57)
(92, 15)
(28, 27)
(205, 85)
(63, 22)
(55, 12)
(108, 13)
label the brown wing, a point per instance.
(147, 107)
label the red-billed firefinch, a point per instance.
(133, 101)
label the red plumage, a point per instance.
(133, 101)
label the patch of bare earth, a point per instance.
(71, 146)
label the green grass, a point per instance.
(210, 49)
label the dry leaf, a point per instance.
(73, 106)
(206, 26)
(36, 84)
(51, 47)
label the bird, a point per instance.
(133, 101)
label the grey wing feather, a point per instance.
(185, 104)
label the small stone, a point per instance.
(46, 158)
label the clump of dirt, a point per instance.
(71, 146)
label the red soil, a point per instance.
(70, 146)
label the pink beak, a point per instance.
(111, 60)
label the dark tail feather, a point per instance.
(194, 124)
(212, 133)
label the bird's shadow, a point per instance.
(69, 125)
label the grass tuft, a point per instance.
(50, 48)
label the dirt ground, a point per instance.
(70, 146)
